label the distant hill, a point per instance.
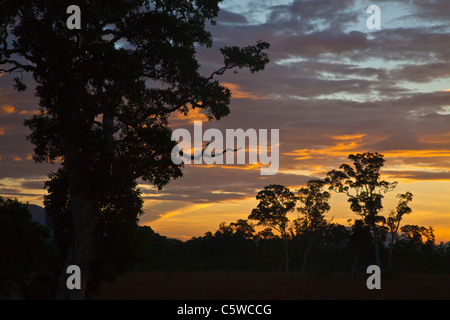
(38, 214)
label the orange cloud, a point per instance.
(418, 153)
(254, 166)
(193, 115)
(408, 164)
(435, 138)
(184, 210)
(28, 157)
(29, 112)
(349, 137)
(8, 109)
(238, 93)
(346, 145)
(199, 115)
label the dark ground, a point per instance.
(271, 286)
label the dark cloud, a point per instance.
(425, 10)
(216, 184)
(311, 15)
(34, 184)
(226, 16)
(419, 44)
(421, 73)
(15, 193)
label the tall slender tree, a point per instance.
(106, 91)
(275, 202)
(361, 182)
(394, 220)
(312, 214)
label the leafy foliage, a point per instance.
(26, 253)
(362, 184)
(228, 248)
(116, 219)
(314, 206)
(275, 202)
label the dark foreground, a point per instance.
(271, 286)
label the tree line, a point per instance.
(311, 242)
(361, 182)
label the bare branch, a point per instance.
(17, 66)
(202, 154)
(220, 72)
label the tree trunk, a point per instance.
(390, 258)
(352, 271)
(286, 255)
(393, 240)
(82, 250)
(83, 247)
(375, 244)
(391, 248)
(306, 253)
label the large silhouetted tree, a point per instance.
(116, 233)
(275, 202)
(361, 182)
(106, 91)
(312, 214)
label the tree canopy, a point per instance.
(361, 182)
(275, 202)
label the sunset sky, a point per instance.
(333, 87)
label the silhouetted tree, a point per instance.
(312, 214)
(415, 234)
(242, 228)
(23, 250)
(394, 220)
(362, 184)
(264, 234)
(116, 233)
(360, 237)
(106, 91)
(275, 202)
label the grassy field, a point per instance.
(271, 286)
